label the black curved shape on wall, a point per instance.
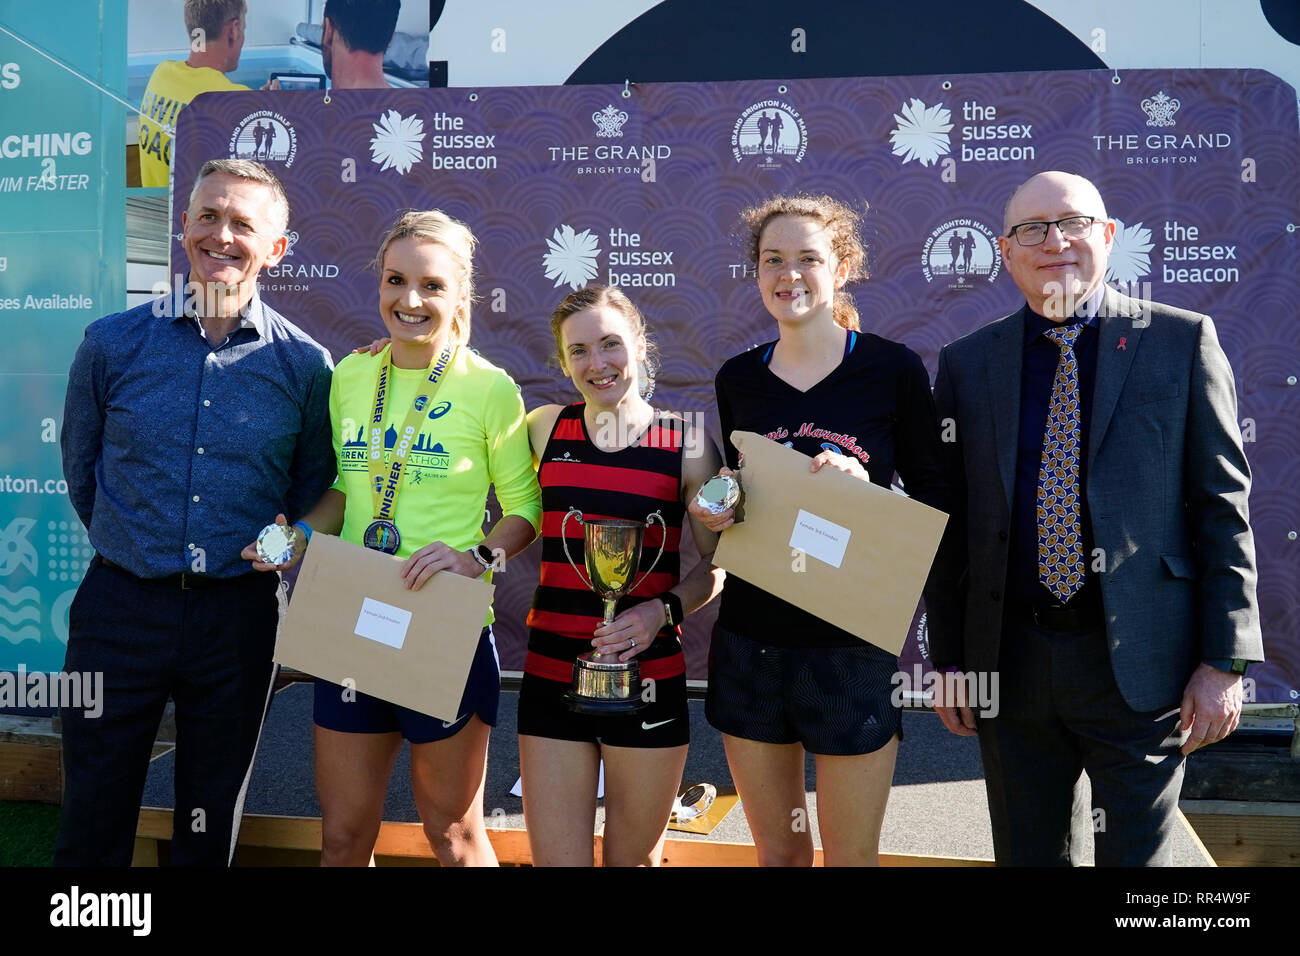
(1284, 17)
(695, 40)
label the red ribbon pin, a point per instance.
(1121, 346)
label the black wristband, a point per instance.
(675, 603)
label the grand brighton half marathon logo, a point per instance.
(771, 131)
(398, 142)
(961, 252)
(1162, 144)
(265, 136)
(921, 133)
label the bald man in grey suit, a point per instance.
(1099, 556)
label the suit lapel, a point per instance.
(1120, 318)
(1003, 363)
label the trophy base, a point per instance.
(605, 686)
(608, 707)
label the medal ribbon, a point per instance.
(385, 484)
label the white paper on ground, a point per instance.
(383, 623)
(824, 540)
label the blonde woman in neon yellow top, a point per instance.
(462, 420)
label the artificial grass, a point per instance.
(27, 832)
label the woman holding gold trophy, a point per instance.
(607, 464)
(783, 682)
(465, 422)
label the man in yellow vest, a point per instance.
(216, 32)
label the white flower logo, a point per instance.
(397, 144)
(1130, 256)
(572, 258)
(922, 132)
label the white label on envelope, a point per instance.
(824, 540)
(383, 623)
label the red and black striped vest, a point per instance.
(631, 483)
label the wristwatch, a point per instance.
(483, 555)
(672, 609)
(1233, 665)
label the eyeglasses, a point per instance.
(1072, 227)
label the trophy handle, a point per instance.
(663, 543)
(564, 543)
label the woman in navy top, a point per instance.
(783, 682)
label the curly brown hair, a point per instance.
(839, 219)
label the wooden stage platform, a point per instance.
(937, 814)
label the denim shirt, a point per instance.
(178, 452)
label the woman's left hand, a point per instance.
(436, 557)
(632, 631)
(845, 463)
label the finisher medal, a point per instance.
(386, 482)
(382, 536)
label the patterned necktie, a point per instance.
(1060, 537)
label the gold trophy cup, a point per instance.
(601, 683)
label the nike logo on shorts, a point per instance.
(645, 726)
(453, 723)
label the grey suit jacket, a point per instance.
(1167, 486)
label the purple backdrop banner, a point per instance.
(569, 185)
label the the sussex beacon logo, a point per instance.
(771, 131)
(265, 136)
(571, 260)
(1130, 253)
(398, 142)
(634, 260)
(922, 132)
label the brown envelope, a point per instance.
(352, 620)
(799, 526)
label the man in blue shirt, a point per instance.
(188, 421)
(1099, 555)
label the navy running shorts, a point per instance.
(356, 713)
(836, 701)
